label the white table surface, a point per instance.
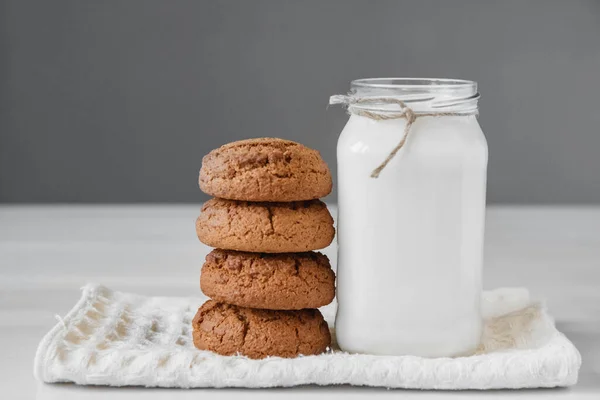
(48, 252)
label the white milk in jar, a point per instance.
(410, 241)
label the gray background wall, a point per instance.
(117, 101)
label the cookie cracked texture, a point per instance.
(288, 281)
(265, 169)
(265, 227)
(229, 330)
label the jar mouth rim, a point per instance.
(422, 94)
(391, 83)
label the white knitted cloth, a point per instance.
(122, 339)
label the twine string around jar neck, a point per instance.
(405, 112)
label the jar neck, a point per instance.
(421, 95)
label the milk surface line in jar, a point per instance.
(412, 165)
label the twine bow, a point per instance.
(405, 112)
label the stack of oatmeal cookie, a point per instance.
(264, 280)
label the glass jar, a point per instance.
(411, 240)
